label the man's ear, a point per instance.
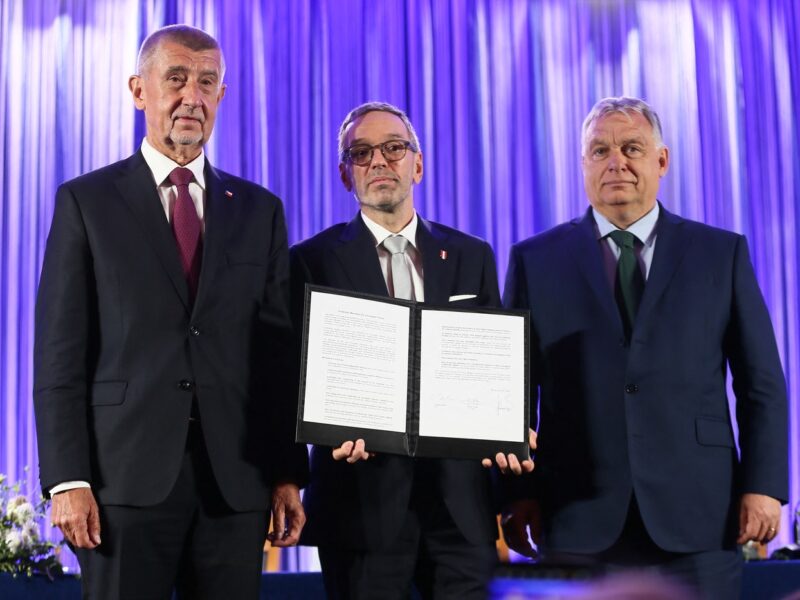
(663, 161)
(418, 167)
(345, 176)
(136, 86)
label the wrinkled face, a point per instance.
(179, 91)
(622, 167)
(381, 185)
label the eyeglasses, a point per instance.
(393, 150)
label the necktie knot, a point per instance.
(396, 244)
(623, 239)
(181, 176)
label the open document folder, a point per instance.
(412, 379)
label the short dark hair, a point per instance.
(185, 35)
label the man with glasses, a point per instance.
(382, 521)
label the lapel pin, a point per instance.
(229, 193)
(443, 254)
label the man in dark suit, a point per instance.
(636, 314)
(382, 521)
(164, 402)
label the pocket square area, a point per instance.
(462, 297)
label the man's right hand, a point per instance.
(76, 514)
(518, 518)
(352, 452)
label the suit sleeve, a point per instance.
(758, 384)
(65, 318)
(289, 460)
(300, 275)
(515, 296)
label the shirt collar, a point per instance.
(380, 233)
(161, 166)
(644, 229)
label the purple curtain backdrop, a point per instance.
(496, 89)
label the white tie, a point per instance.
(400, 272)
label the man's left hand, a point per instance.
(288, 516)
(759, 518)
(510, 463)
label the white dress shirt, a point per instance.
(413, 256)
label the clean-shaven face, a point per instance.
(622, 167)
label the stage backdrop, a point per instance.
(496, 89)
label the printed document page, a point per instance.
(357, 363)
(472, 375)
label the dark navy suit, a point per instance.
(363, 506)
(649, 417)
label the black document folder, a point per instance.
(413, 379)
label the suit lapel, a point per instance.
(357, 255)
(587, 254)
(439, 260)
(671, 243)
(138, 190)
(217, 216)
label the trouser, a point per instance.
(192, 542)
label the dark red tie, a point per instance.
(186, 227)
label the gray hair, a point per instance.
(372, 107)
(185, 35)
(625, 105)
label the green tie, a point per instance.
(630, 283)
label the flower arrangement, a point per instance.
(22, 551)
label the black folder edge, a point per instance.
(412, 405)
(409, 443)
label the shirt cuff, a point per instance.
(68, 485)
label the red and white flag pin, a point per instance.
(443, 254)
(229, 193)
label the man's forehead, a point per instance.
(618, 126)
(376, 124)
(171, 54)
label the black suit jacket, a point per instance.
(120, 351)
(650, 417)
(362, 506)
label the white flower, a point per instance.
(19, 540)
(30, 531)
(20, 510)
(14, 540)
(16, 501)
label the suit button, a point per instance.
(631, 388)
(194, 331)
(185, 385)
